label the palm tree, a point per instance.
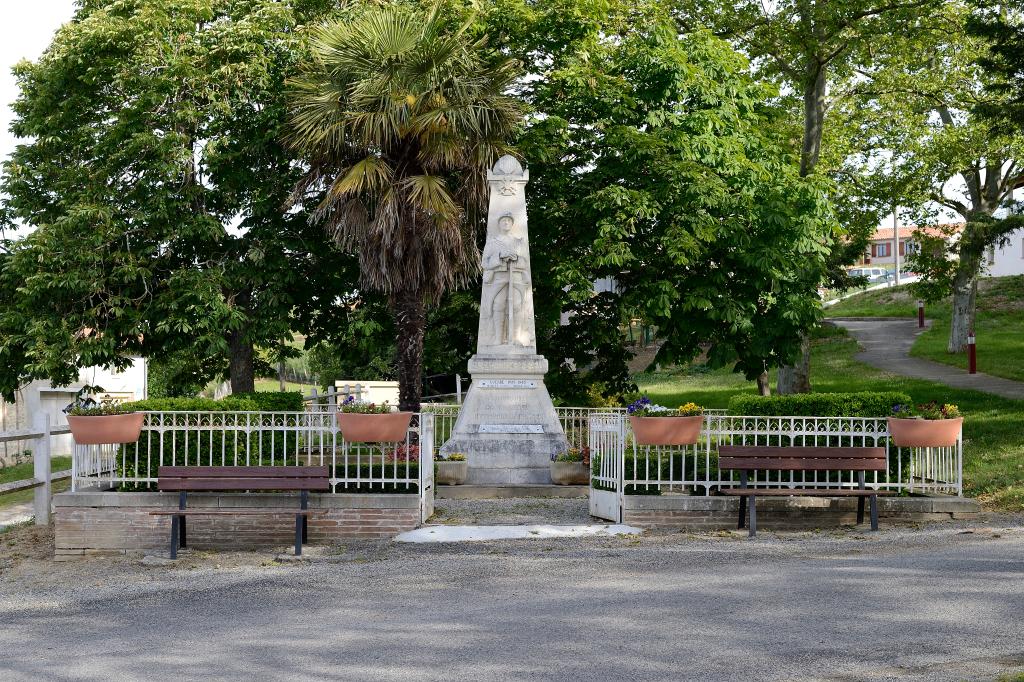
(399, 114)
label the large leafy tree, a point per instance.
(399, 114)
(814, 51)
(925, 126)
(154, 176)
(657, 161)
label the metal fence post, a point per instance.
(41, 472)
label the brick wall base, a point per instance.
(680, 512)
(91, 522)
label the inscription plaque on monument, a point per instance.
(511, 428)
(507, 426)
(507, 383)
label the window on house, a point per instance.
(991, 254)
(883, 250)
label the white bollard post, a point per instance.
(41, 472)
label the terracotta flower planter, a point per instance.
(667, 430)
(570, 473)
(452, 473)
(374, 428)
(106, 428)
(925, 433)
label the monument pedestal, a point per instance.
(507, 426)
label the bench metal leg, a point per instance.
(304, 504)
(183, 525)
(753, 515)
(743, 499)
(874, 512)
(174, 537)
(860, 500)
(298, 535)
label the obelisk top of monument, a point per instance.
(506, 300)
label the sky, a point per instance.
(26, 28)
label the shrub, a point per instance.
(454, 457)
(863, 404)
(643, 407)
(573, 455)
(228, 404)
(931, 411)
(352, 406)
(274, 401)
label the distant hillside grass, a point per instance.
(999, 326)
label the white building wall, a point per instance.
(40, 399)
(1007, 260)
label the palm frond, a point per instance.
(400, 113)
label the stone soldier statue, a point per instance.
(506, 264)
(507, 427)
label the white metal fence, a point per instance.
(575, 421)
(260, 439)
(619, 465)
(622, 464)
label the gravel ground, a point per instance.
(517, 511)
(935, 602)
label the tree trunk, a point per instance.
(965, 293)
(763, 386)
(797, 378)
(815, 89)
(241, 370)
(409, 312)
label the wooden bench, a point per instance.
(188, 479)
(746, 459)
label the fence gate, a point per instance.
(607, 441)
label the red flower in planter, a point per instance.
(405, 453)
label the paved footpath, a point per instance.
(887, 342)
(931, 602)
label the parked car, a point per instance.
(873, 275)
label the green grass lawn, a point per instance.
(999, 326)
(993, 442)
(273, 385)
(22, 471)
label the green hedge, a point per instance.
(863, 404)
(288, 401)
(274, 401)
(228, 404)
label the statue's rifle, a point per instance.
(508, 333)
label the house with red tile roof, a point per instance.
(882, 247)
(1000, 260)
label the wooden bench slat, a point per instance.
(801, 464)
(244, 472)
(807, 492)
(227, 484)
(237, 512)
(799, 451)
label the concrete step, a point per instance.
(484, 492)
